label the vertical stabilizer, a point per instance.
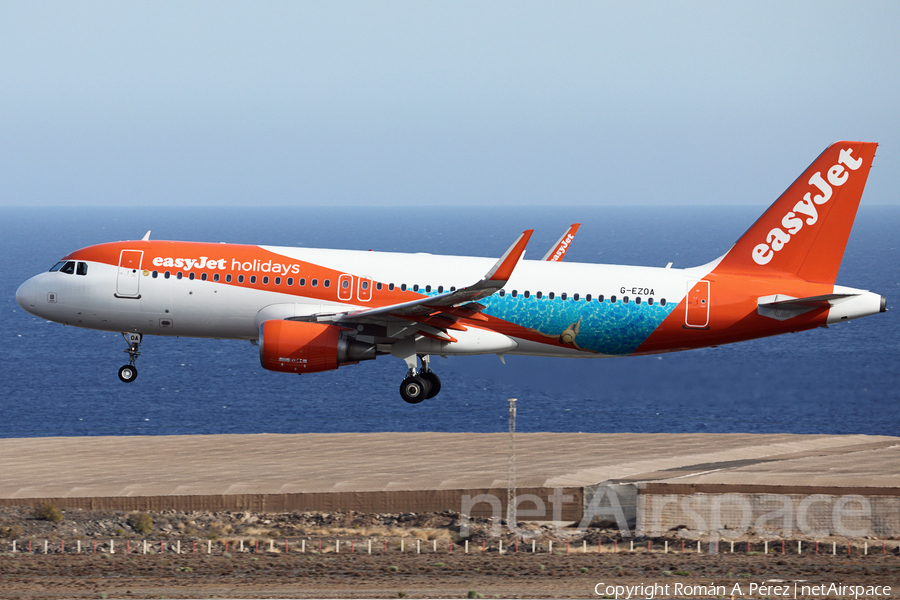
(805, 231)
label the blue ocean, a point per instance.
(61, 381)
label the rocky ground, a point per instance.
(344, 567)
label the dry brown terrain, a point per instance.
(252, 573)
(417, 576)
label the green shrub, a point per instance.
(474, 594)
(47, 512)
(141, 523)
(11, 533)
(681, 573)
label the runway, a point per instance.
(419, 472)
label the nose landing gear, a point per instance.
(128, 373)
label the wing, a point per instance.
(434, 316)
(558, 251)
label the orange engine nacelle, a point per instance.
(300, 347)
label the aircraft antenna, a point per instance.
(511, 468)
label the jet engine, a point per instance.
(301, 347)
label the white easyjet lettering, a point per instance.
(187, 264)
(778, 238)
(562, 246)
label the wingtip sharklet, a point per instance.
(503, 269)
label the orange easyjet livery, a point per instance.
(313, 310)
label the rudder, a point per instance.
(804, 232)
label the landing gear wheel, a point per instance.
(415, 389)
(128, 373)
(435, 381)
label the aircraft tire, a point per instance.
(414, 389)
(128, 373)
(435, 381)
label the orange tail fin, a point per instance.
(805, 231)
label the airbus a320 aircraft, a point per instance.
(315, 310)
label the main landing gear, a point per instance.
(128, 373)
(420, 385)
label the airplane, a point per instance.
(312, 310)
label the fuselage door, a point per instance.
(128, 280)
(345, 288)
(697, 311)
(365, 289)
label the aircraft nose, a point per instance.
(25, 295)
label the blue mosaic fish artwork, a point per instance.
(613, 328)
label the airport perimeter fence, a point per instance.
(403, 546)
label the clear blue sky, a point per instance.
(427, 103)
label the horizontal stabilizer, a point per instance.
(781, 307)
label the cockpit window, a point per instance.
(57, 266)
(82, 268)
(69, 268)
